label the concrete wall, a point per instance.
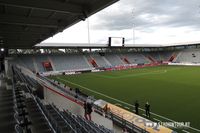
(63, 103)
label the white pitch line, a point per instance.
(157, 119)
(198, 130)
(185, 131)
(135, 75)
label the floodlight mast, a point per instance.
(133, 27)
(88, 28)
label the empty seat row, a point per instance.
(59, 124)
(28, 115)
(85, 125)
(6, 110)
(72, 62)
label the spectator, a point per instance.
(106, 109)
(89, 111)
(124, 130)
(77, 90)
(85, 110)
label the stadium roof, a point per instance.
(24, 23)
(96, 45)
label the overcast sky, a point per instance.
(155, 22)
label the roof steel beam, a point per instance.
(34, 22)
(47, 5)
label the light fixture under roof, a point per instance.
(2, 49)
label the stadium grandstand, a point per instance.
(90, 88)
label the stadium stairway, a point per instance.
(86, 60)
(106, 61)
(177, 56)
(52, 63)
(172, 57)
(7, 122)
(151, 59)
(120, 59)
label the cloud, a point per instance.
(148, 13)
(153, 21)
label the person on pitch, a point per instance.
(147, 109)
(137, 107)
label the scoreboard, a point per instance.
(116, 41)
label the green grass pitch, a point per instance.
(172, 91)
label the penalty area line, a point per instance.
(121, 101)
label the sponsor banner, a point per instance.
(65, 72)
(97, 70)
(184, 64)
